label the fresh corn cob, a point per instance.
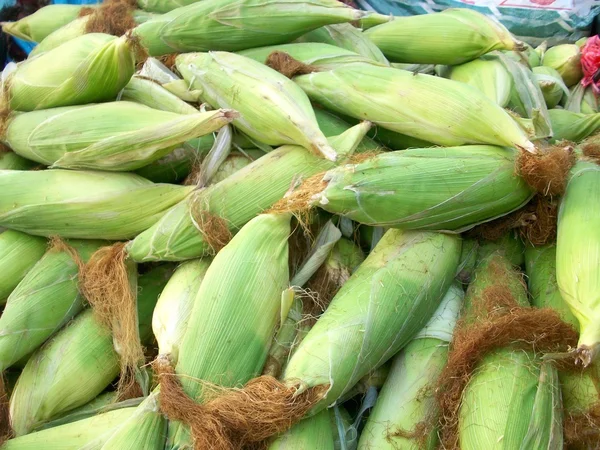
(441, 111)
(43, 302)
(19, 252)
(552, 86)
(578, 255)
(114, 206)
(233, 25)
(312, 433)
(450, 188)
(566, 59)
(273, 110)
(406, 412)
(89, 69)
(451, 37)
(318, 56)
(9, 160)
(72, 436)
(37, 26)
(573, 126)
(75, 29)
(83, 350)
(345, 35)
(116, 136)
(176, 236)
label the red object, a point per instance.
(590, 62)
(543, 2)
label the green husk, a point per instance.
(578, 255)
(9, 160)
(41, 23)
(376, 313)
(566, 59)
(115, 205)
(178, 164)
(405, 414)
(151, 93)
(92, 68)
(273, 110)
(83, 350)
(510, 244)
(234, 162)
(345, 35)
(430, 108)
(43, 302)
(571, 126)
(312, 433)
(232, 25)
(451, 37)
(19, 252)
(530, 56)
(115, 136)
(332, 125)
(72, 436)
(176, 236)
(450, 189)
(551, 84)
(582, 100)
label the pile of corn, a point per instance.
(288, 224)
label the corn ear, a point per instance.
(115, 136)
(72, 436)
(232, 25)
(273, 110)
(451, 37)
(345, 35)
(450, 188)
(383, 305)
(406, 401)
(566, 59)
(430, 108)
(571, 126)
(578, 255)
(312, 433)
(174, 306)
(19, 252)
(89, 69)
(551, 84)
(175, 237)
(41, 23)
(42, 303)
(116, 206)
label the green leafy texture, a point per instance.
(551, 84)
(152, 94)
(407, 401)
(451, 37)
(438, 189)
(578, 250)
(332, 125)
(383, 305)
(83, 204)
(429, 108)
(72, 436)
(582, 100)
(312, 433)
(510, 244)
(233, 25)
(83, 350)
(273, 110)
(41, 23)
(9, 160)
(176, 236)
(19, 252)
(116, 136)
(89, 69)
(163, 6)
(573, 126)
(43, 302)
(566, 59)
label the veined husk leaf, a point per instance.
(345, 35)
(573, 126)
(176, 236)
(273, 110)
(151, 93)
(406, 400)
(566, 59)
(383, 305)
(117, 136)
(434, 109)
(450, 37)
(9, 160)
(19, 252)
(578, 253)
(41, 23)
(551, 84)
(83, 204)
(232, 25)
(83, 350)
(43, 302)
(72, 436)
(582, 100)
(449, 189)
(332, 125)
(312, 433)
(91, 68)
